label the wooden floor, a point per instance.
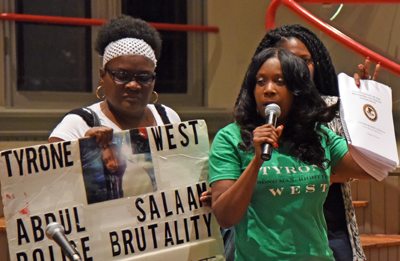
(379, 240)
(2, 224)
(3, 241)
(360, 204)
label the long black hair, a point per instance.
(325, 78)
(303, 130)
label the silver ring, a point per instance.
(369, 78)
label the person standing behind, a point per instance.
(338, 208)
(130, 48)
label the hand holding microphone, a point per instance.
(55, 231)
(272, 112)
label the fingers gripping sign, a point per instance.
(206, 197)
(103, 135)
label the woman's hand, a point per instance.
(206, 198)
(103, 135)
(365, 72)
(231, 198)
(266, 134)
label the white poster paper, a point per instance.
(136, 200)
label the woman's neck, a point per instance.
(143, 118)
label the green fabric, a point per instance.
(285, 218)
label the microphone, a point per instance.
(272, 111)
(55, 231)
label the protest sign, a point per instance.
(136, 200)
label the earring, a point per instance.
(97, 93)
(156, 96)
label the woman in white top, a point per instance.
(130, 48)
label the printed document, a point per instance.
(367, 119)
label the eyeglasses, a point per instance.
(308, 61)
(123, 77)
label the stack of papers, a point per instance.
(367, 119)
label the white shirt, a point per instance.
(73, 126)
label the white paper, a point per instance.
(366, 114)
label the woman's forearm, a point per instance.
(346, 169)
(231, 198)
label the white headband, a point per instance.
(126, 46)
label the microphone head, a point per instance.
(272, 108)
(53, 228)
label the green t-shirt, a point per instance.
(285, 219)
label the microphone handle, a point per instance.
(266, 147)
(69, 251)
(266, 151)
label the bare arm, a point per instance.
(347, 168)
(103, 136)
(231, 198)
(54, 139)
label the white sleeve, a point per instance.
(172, 115)
(71, 127)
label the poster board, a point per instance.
(136, 200)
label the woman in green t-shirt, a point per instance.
(276, 205)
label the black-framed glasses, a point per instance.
(308, 61)
(123, 77)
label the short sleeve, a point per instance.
(172, 115)
(71, 127)
(225, 158)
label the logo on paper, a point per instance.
(370, 112)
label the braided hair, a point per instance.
(125, 26)
(325, 78)
(303, 128)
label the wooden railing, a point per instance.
(331, 31)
